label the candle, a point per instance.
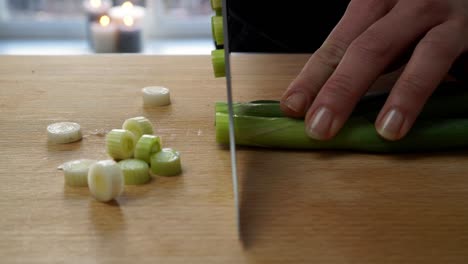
(96, 8)
(130, 36)
(118, 13)
(104, 35)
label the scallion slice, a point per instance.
(138, 126)
(120, 144)
(166, 163)
(146, 146)
(136, 172)
(105, 180)
(217, 28)
(76, 172)
(217, 59)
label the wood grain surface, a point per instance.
(297, 207)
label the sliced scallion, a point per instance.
(135, 171)
(105, 180)
(76, 172)
(120, 144)
(146, 146)
(166, 163)
(217, 59)
(138, 126)
(217, 29)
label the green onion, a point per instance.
(216, 4)
(219, 12)
(217, 29)
(120, 144)
(76, 172)
(105, 180)
(146, 146)
(442, 124)
(64, 132)
(166, 163)
(358, 134)
(136, 172)
(156, 96)
(138, 126)
(217, 59)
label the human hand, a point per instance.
(370, 37)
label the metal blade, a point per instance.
(232, 137)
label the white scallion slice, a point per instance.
(166, 163)
(105, 180)
(146, 146)
(135, 171)
(156, 96)
(76, 172)
(139, 126)
(64, 132)
(120, 144)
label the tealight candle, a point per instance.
(118, 13)
(104, 35)
(130, 36)
(96, 8)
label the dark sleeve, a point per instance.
(295, 26)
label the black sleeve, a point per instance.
(295, 26)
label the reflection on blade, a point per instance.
(231, 114)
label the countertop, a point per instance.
(297, 207)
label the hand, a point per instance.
(370, 37)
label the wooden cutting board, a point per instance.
(309, 207)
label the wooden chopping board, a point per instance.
(309, 207)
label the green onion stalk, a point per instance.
(442, 125)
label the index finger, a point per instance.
(359, 15)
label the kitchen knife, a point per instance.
(232, 138)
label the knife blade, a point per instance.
(232, 137)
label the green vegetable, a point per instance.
(358, 134)
(76, 172)
(219, 12)
(442, 124)
(146, 146)
(120, 144)
(216, 4)
(136, 172)
(217, 59)
(138, 126)
(217, 29)
(166, 163)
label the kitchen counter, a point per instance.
(309, 207)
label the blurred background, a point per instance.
(65, 27)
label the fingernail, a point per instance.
(391, 124)
(296, 102)
(320, 123)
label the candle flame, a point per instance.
(128, 21)
(95, 3)
(104, 21)
(127, 4)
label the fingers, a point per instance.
(428, 66)
(359, 15)
(366, 58)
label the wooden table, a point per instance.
(309, 207)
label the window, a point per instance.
(66, 18)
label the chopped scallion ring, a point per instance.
(138, 126)
(146, 146)
(135, 171)
(120, 144)
(166, 163)
(105, 180)
(64, 132)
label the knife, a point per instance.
(232, 136)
